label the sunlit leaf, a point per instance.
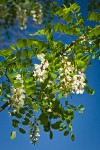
(22, 131)
(13, 135)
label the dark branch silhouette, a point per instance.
(4, 106)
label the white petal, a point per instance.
(18, 77)
(77, 92)
(82, 91)
(41, 57)
(37, 66)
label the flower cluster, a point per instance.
(34, 132)
(65, 74)
(17, 99)
(70, 78)
(37, 13)
(22, 16)
(40, 69)
(79, 83)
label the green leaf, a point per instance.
(62, 128)
(25, 123)
(80, 106)
(13, 46)
(30, 85)
(79, 55)
(20, 44)
(72, 137)
(75, 7)
(94, 56)
(68, 120)
(56, 125)
(35, 107)
(29, 79)
(30, 111)
(17, 84)
(15, 123)
(22, 131)
(18, 54)
(51, 135)
(1, 73)
(30, 53)
(53, 75)
(26, 119)
(89, 90)
(94, 16)
(94, 31)
(5, 52)
(14, 75)
(17, 115)
(13, 135)
(70, 127)
(66, 133)
(25, 53)
(22, 111)
(80, 109)
(46, 126)
(43, 119)
(39, 32)
(80, 63)
(29, 91)
(69, 112)
(60, 95)
(29, 115)
(66, 103)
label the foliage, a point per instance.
(37, 73)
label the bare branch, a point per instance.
(4, 106)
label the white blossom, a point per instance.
(37, 134)
(65, 73)
(74, 84)
(37, 66)
(37, 13)
(18, 77)
(18, 95)
(40, 69)
(45, 65)
(41, 57)
(79, 83)
(49, 110)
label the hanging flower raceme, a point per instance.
(79, 83)
(22, 16)
(34, 132)
(37, 13)
(18, 95)
(73, 83)
(65, 74)
(40, 71)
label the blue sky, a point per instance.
(86, 126)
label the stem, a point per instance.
(7, 78)
(4, 106)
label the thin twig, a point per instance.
(4, 106)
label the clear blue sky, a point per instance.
(86, 127)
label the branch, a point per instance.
(7, 78)
(69, 46)
(82, 37)
(4, 106)
(73, 42)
